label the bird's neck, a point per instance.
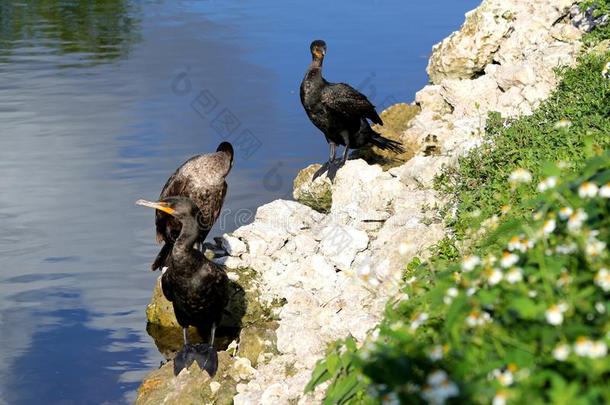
(314, 73)
(316, 64)
(188, 235)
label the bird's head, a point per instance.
(318, 49)
(178, 207)
(227, 148)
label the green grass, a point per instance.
(402, 359)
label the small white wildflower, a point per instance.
(410, 280)
(564, 278)
(532, 293)
(562, 123)
(566, 249)
(561, 352)
(604, 191)
(595, 247)
(600, 307)
(514, 275)
(390, 398)
(469, 263)
(598, 349)
(505, 377)
(576, 220)
(476, 318)
(508, 260)
(436, 353)
(547, 184)
(450, 294)
(418, 320)
(471, 291)
(602, 279)
(439, 388)
(549, 226)
(554, 315)
(565, 212)
(494, 276)
(437, 377)
(587, 190)
(499, 398)
(582, 347)
(520, 176)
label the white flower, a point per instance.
(561, 352)
(582, 347)
(602, 279)
(499, 398)
(471, 291)
(554, 315)
(450, 294)
(418, 320)
(439, 388)
(564, 278)
(514, 275)
(476, 318)
(562, 123)
(494, 276)
(576, 220)
(505, 377)
(390, 398)
(470, 262)
(594, 247)
(519, 243)
(587, 190)
(547, 184)
(436, 353)
(437, 377)
(549, 226)
(566, 249)
(598, 349)
(508, 260)
(600, 307)
(604, 191)
(520, 176)
(565, 212)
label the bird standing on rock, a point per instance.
(340, 112)
(202, 179)
(196, 286)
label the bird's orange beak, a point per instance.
(159, 205)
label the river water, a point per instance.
(101, 100)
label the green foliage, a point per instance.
(524, 318)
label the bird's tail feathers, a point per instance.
(203, 354)
(387, 144)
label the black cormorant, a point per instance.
(195, 286)
(202, 179)
(340, 112)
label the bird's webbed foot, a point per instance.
(203, 354)
(321, 171)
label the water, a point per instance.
(100, 101)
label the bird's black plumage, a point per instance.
(196, 286)
(202, 179)
(340, 112)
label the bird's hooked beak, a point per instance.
(320, 53)
(161, 206)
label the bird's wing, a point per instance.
(166, 287)
(346, 100)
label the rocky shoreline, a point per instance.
(310, 272)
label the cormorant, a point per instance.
(340, 112)
(202, 179)
(196, 286)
